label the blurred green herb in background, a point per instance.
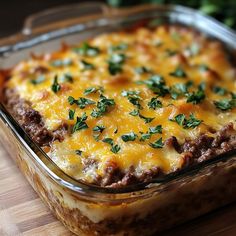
(223, 10)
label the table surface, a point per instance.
(22, 213)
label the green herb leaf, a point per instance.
(154, 103)
(146, 119)
(129, 137)
(203, 68)
(157, 144)
(133, 97)
(225, 104)
(78, 152)
(108, 140)
(67, 78)
(87, 50)
(145, 136)
(180, 89)
(142, 70)
(193, 50)
(102, 106)
(40, 79)
(179, 73)
(170, 52)
(55, 86)
(93, 90)
(83, 102)
(114, 147)
(157, 84)
(80, 123)
(119, 47)
(134, 112)
(71, 114)
(180, 119)
(87, 66)
(96, 137)
(60, 63)
(99, 128)
(192, 122)
(71, 100)
(219, 90)
(115, 63)
(196, 97)
(155, 130)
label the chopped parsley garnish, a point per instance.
(102, 106)
(115, 63)
(133, 97)
(87, 50)
(142, 70)
(114, 147)
(67, 78)
(193, 49)
(157, 84)
(225, 104)
(93, 90)
(134, 112)
(192, 122)
(154, 103)
(179, 73)
(80, 123)
(179, 89)
(196, 97)
(129, 137)
(55, 86)
(157, 144)
(203, 68)
(71, 114)
(171, 52)
(71, 100)
(78, 152)
(119, 47)
(219, 90)
(145, 136)
(99, 128)
(40, 79)
(152, 130)
(146, 119)
(81, 102)
(233, 95)
(155, 130)
(87, 66)
(60, 63)
(96, 137)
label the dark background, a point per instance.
(13, 12)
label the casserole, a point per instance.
(91, 210)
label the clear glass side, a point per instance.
(120, 20)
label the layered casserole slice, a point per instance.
(126, 107)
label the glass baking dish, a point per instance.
(141, 209)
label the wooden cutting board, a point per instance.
(22, 213)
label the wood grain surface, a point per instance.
(22, 213)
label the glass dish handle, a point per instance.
(61, 14)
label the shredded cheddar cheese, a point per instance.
(139, 89)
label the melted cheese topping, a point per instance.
(162, 52)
